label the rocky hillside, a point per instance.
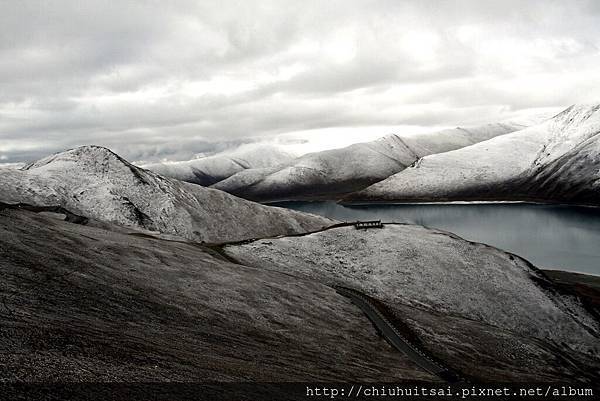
(332, 173)
(556, 161)
(94, 182)
(81, 303)
(209, 170)
(467, 300)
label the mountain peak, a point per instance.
(94, 182)
(577, 113)
(83, 154)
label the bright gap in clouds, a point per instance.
(315, 140)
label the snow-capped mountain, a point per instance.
(94, 182)
(555, 161)
(332, 173)
(209, 170)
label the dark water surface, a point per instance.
(549, 236)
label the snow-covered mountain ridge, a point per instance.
(94, 182)
(555, 161)
(332, 173)
(209, 170)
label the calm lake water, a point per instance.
(549, 236)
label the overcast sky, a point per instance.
(169, 79)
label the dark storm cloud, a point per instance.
(169, 79)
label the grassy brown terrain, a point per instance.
(85, 303)
(80, 303)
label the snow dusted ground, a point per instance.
(434, 271)
(339, 171)
(81, 303)
(209, 170)
(557, 160)
(94, 182)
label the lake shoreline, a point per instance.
(457, 202)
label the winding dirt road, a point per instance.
(393, 335)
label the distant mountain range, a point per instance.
(555, 161)
(332, 173)
(210, 170)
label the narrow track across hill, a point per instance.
(393, 335)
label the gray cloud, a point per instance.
(170, 79)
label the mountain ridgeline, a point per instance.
(94, 182)
(332, 173)
(210, 170)
(555, 161)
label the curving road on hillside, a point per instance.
(393, 335)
